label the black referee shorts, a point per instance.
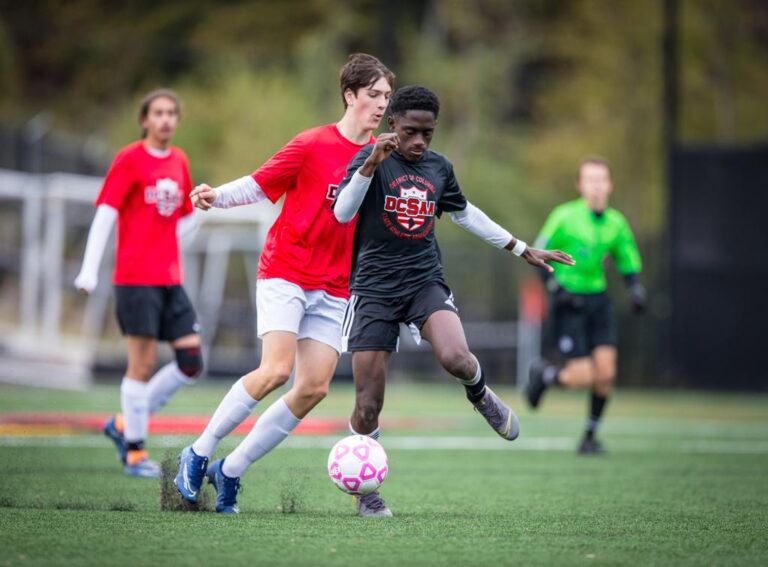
(373, 323)
(162, 312)
(584, 324)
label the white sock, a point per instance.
(273, 426)
(164, 384)
(135, 405)
(236, 406)
(475, 379)
(375, 434)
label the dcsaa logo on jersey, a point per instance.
(165, 195)
(411, 207)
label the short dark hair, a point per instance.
(147, 101)
(414, 97)
(593, 160)
(362, 70)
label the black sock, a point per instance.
(475, 391)
(137, 446)
(595, 413)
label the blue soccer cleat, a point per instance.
(192, 469)
(145, 468)
(111, 431)
(226, 489)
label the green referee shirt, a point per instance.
(574, 228)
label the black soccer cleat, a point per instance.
(591, 447)
(536, 386)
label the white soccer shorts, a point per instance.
(285, 306)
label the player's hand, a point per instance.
(203, 196)
(385, 145)
(86, 283)
(540, 258)
(638, 298)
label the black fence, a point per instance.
(719, 267)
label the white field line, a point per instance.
(432, 443)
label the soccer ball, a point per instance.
(357, 464)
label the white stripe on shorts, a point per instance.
(349, 319)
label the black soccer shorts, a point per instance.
(583, 324)
(162, 312)
(373, 323)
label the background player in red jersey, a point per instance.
(302, 286)
(147, 192)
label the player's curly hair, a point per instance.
(414, 97)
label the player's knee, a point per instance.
(368, 410)
(278, 374)
(604, 382)
(190, 361)
(458, 361)
(143, 369)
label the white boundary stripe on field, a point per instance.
(713, 446)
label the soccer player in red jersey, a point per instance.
(146, 192)
(302, 282)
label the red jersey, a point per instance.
(307, 245)
(150, 194)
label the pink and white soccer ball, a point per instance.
(358, 464)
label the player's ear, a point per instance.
(349, 96)
(391, 122)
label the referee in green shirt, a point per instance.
(581, 312)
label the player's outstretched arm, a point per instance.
(478, 223)
(242, 191)
(101, 227)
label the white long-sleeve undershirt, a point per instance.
(242, 191)
(478, 223)
(349, 200)
(101, 227)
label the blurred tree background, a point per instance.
(528, 88)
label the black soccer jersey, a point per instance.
(395, 251)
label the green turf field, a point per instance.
(686, 483)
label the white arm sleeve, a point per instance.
(243, 191)
(478, 223)
(98, 236)
(349, 200)
(186, 226)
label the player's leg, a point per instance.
(180, 328)
(604, 361)
(277, 357)
(315, 364)
(369, 369)
(134, 402)
(318, 349)
(569, 327)
(139, 310)
(280, 308)
(444, 331)
(371, 332)
(603, 340)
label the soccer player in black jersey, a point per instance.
(398, 187)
